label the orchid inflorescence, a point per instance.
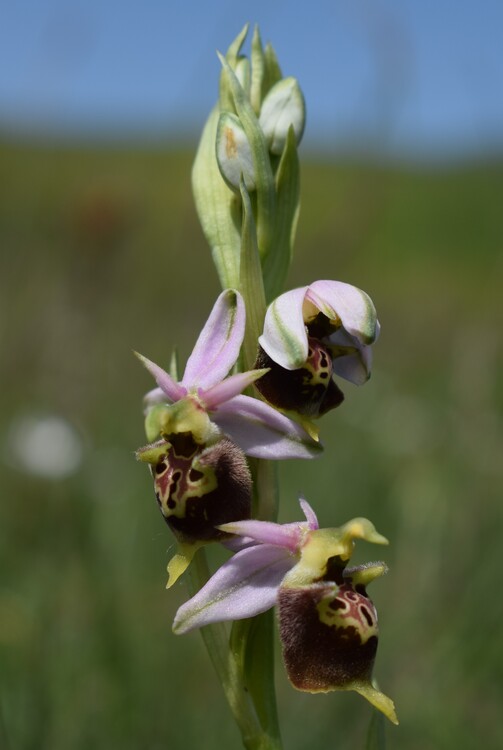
(210, 445)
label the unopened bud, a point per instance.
(283, 107)
(234, 153)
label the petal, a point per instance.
(237, 543)
(357, 313)
(154, 397)
(309, 513)
(263, 432)
(218, 345)
(350, 359)
(288, 536)
(243, 587)
(174, 391)
(354, 367)
(285, 337)
(230, 387)
(340, 339)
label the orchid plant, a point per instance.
(212, 448)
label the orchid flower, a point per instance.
(310, 334)
(206, 403)
(201, 479)
(328, 625)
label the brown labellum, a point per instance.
(329, 635)
(200, 488)
(309, 390)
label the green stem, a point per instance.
(252, 640)
(266, 491)
(376, 739)
(216, 640)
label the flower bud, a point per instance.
(198, 488)
(282, 107)
(234, 153)
(312, 333)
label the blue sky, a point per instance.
(421, 76)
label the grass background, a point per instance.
(101, 253)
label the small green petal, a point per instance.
(154, 420)
(152, 453)
(364, 574)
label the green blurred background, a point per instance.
(102, 253)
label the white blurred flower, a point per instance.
(46, 446)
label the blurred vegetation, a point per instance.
(102, 253)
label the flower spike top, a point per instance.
(206, 403)
(310, 334)
(328, 625)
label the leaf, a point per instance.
(232, 56)
(217, 206)
(272, 70)
(277, 263)
(251, 284)
(252, 645)
(258, 71)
